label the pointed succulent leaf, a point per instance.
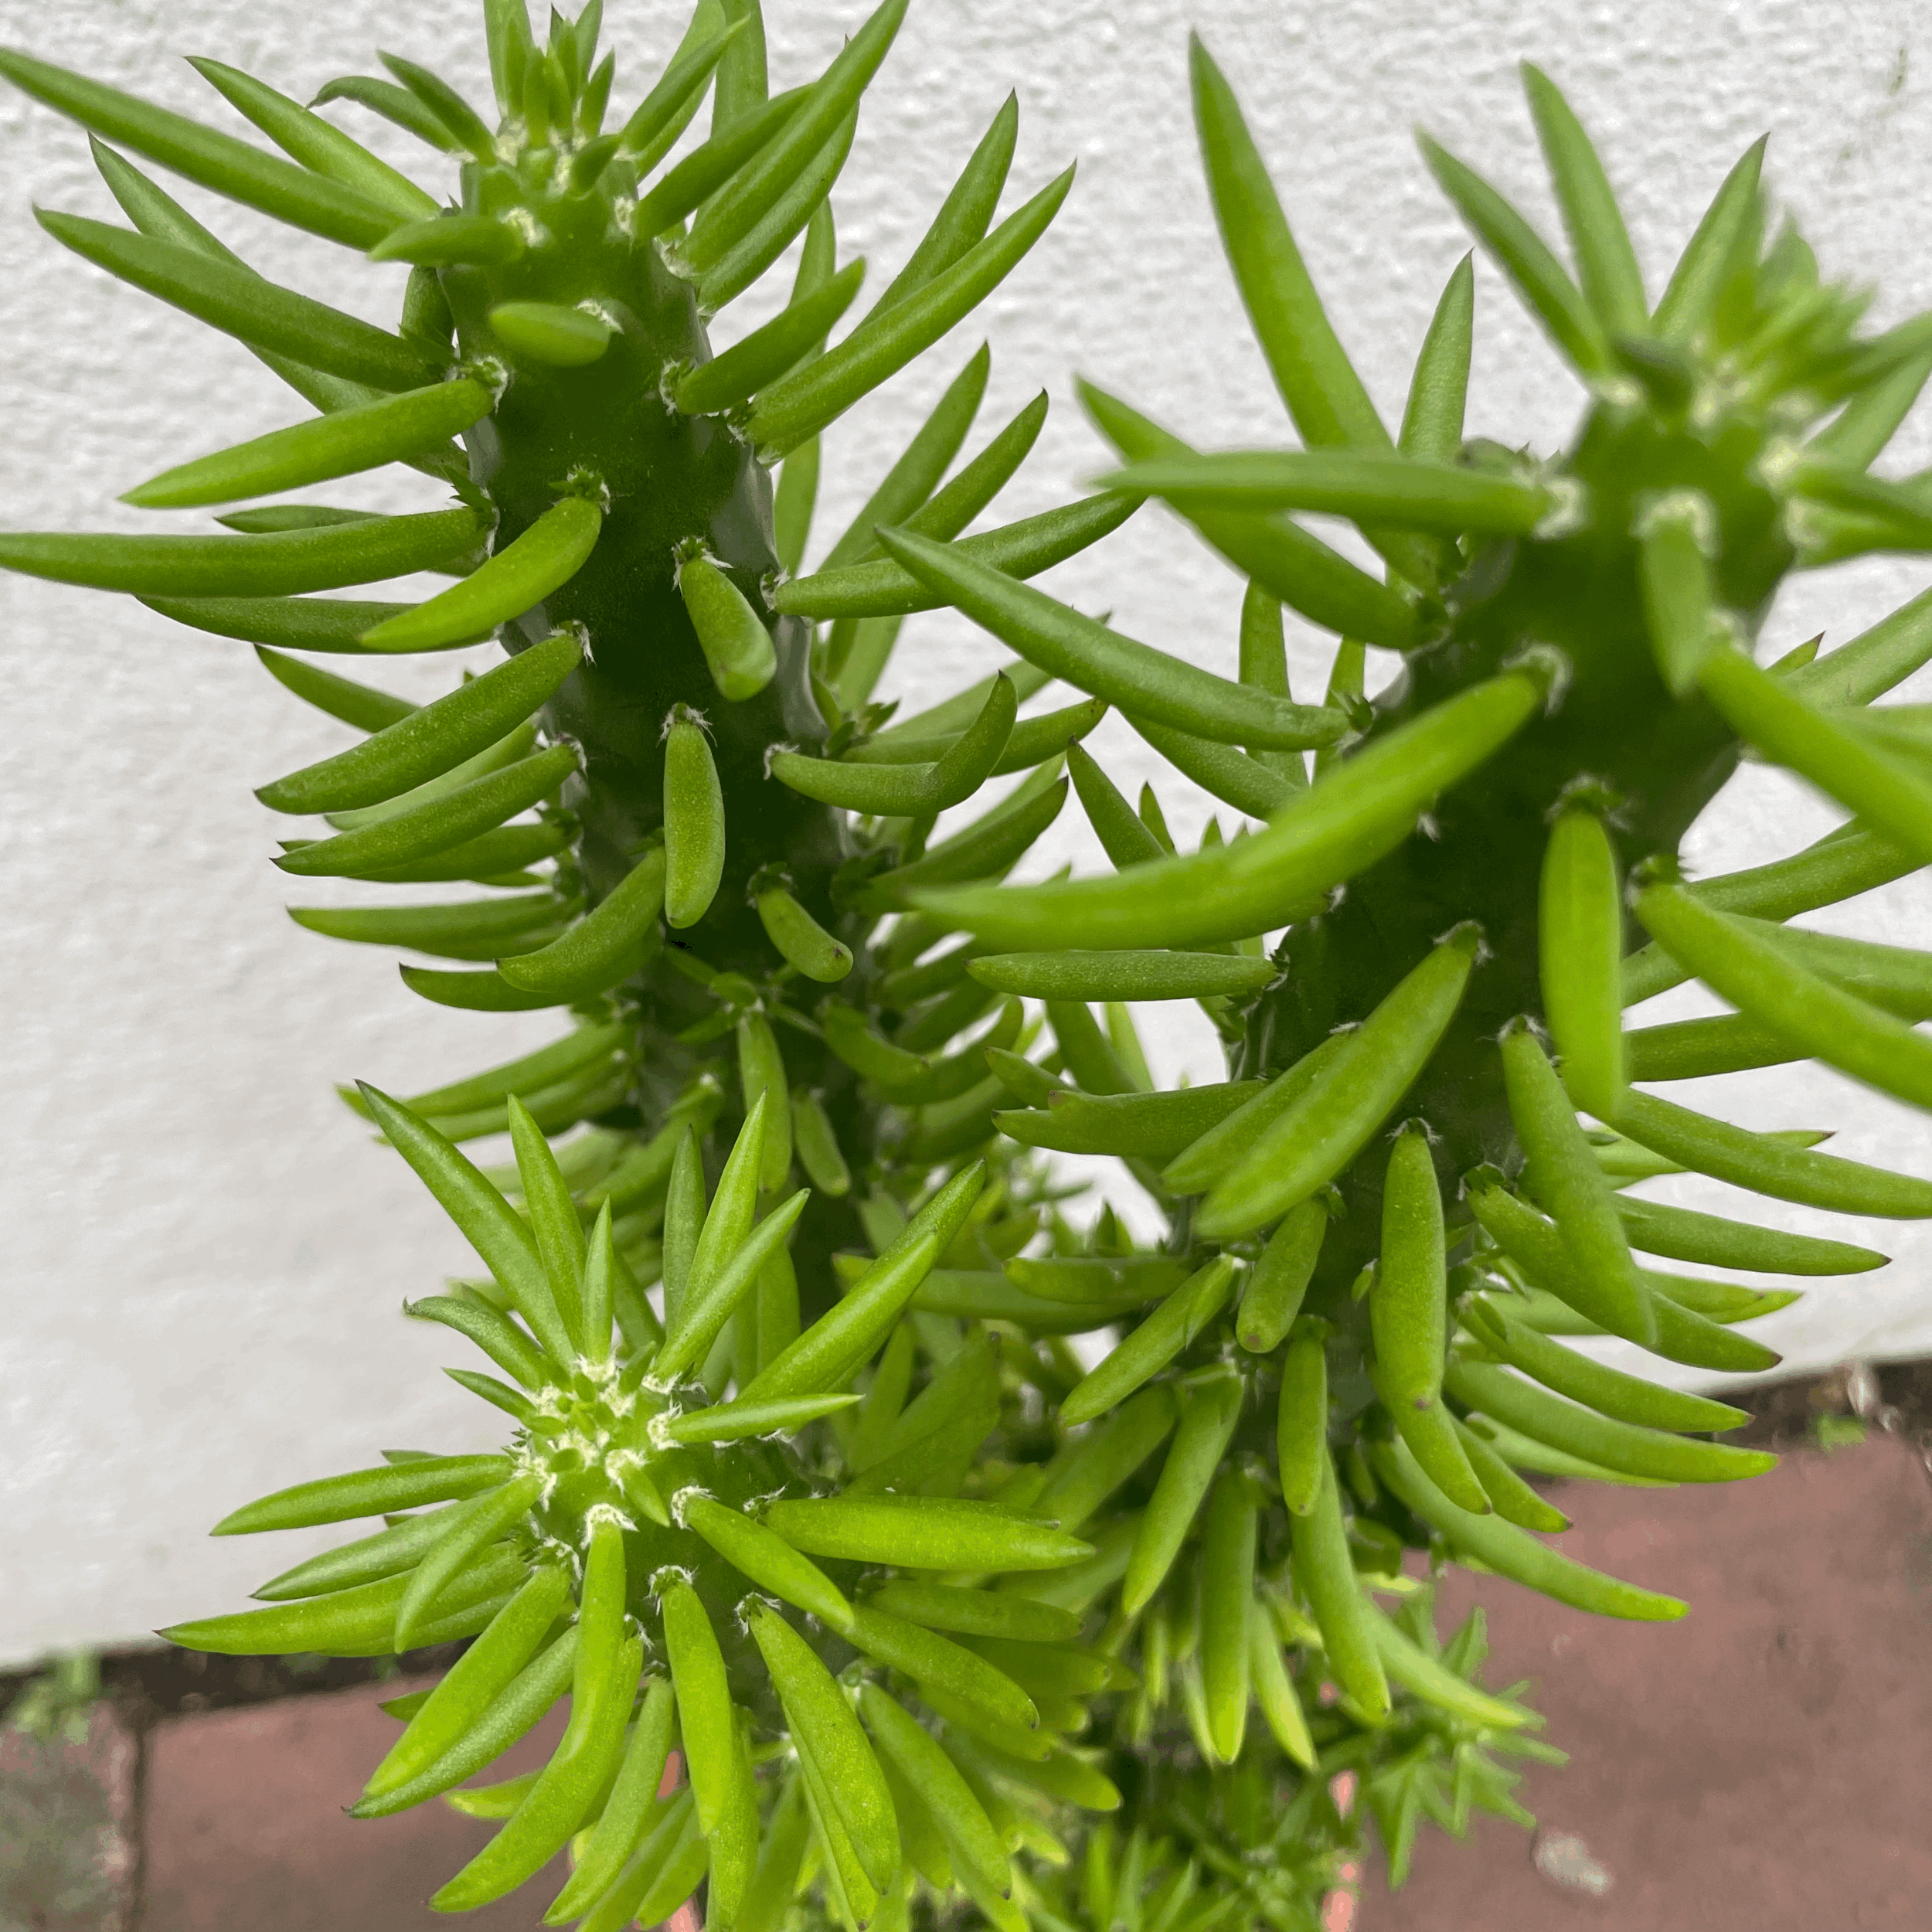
(307, 138)
(232, 167)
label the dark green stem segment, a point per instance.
(1479, 854)
(672, 485)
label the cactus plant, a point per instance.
(807, 1484)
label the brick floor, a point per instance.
(70, 1844)
(1766, 1763)
(246, 1832)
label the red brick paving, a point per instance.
(246, 1832)
(1766, 1763)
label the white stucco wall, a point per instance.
(204, 1251)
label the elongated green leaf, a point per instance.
(1758, 977)
(217, 161)
(735, 376)
(704, 1697)
(157, 215)
(584, 1047)
(394, 104)
(1361, 1081)
(956, 713)
(738, 205)
(362, 1623)
(824, 1723)
(1232, 776)
(1612, 284)
(450, 241)
(914, 789)
(804, 942)
(433, 739)
(367, 1560)
(737, 648)
(632, 1811)
(914, 476)
(359, 705)
(333, 625)
(706, 1307)
(1031, 741)
(1611, 1443)
(1120, 975)
(886, 588)
(1438, 392)
(986, 849)
(1894, 799)
(950, 509)
(1841, 865)
(694, 819)
(1357, 811)
(769, 1561)
(247, 567)
(343, 444)
(1768, 1165)
(835, 1345)
(543, 558)
(309, 139)
(1580, 941)
(1685, 1332)
(1500, 1545)
(1524, 257)
(1872, 662)
(738, 1421)
(1371, 488)
(685, 186)
(921, 1532)
(1629, 1399)
(487, 1222)
(1181, 1317)
(968, 211)
(1208, 1412)
(1685, 1235)
(1133, 675)
(271, 519)
(742, 79)
(1869, 422)
(449, 107)
(1325, 396)
(794, 498)
(240, 303)
(803, 196)
(603, 948)
(478, 1523)
(1566, 1178)
(552, 1216)
(1286, 560)
(439, 825)
(368, 1492)
(803, 402)
(485, 992)
(496, 858)
(1115, 1280)
(485, 1671)
(679, 89)
(1691, 301)
(1150, 1127)
(498, 1338)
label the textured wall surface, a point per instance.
(205, 1253)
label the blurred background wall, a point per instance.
(204, 1252)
